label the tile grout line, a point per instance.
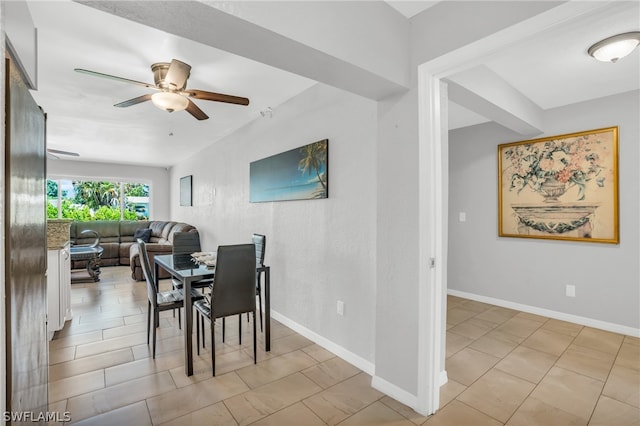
(543, 377)
(494, 366)
(502, 358)
(604, 384)
(554, 365)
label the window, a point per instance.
(97, 200)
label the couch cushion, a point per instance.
(108, 230)
(180, 227)
(143, 233)
(152, 250)
(129, 227)
(125, 252)
(111, 250)
(156, 227)
(166, 231)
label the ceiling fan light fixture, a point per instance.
(170, 101)
(171, 82)
(613, 48)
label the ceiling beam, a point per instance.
(226, 30)
(484, 92)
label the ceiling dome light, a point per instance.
(170, 101)
(613, 48)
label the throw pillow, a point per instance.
(143, 233)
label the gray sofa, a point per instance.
(120, 248)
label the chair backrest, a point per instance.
(152, 291)
(260, 242)
(186, 242)
(234, 283)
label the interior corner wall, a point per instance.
(156, 177)
(535, 272)
(320, 251)
(397, 312)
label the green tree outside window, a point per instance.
(97, 200)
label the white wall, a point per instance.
(397, 244)
(534, 272)
(320, 251)
(21, 37)
(156, 177)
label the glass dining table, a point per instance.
(183, 268)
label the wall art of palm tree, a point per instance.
(298, 174)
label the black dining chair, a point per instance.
(187, 243)
(260, 241)
(233, 291)
(158, 300)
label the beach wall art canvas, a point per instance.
(561, 187)
(298, 174)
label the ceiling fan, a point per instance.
(172, 94)
(54, 153)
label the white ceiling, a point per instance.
(551, 70)
(410, 8)
(81, 116)
(554, 69)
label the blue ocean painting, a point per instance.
(297, 174)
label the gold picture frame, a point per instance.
(561, 187)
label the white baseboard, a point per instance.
(402, 395)
(368, 367)
(394, 392)
(356, 360)
(443, 378)
(589, 322)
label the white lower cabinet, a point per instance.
(58, 289)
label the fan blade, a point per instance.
(196, 112)
(113, 77)
(217, 97)
(177, 74)
(57, 151)
(134, 101)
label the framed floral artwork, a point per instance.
(561, 187)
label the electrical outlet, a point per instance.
(462, 217)
(340, 307)
(571, 291)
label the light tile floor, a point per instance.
(504, 367)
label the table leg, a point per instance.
(93, 268)
(267, 308)
(188, 328)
